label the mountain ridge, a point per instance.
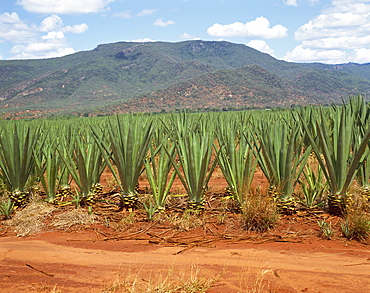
(131, 76)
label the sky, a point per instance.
(331, 31)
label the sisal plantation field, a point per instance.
(248, 201)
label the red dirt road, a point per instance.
(75, 263)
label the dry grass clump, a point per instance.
(30, 220)
(73, 218)
(125, 222)
(255, 281)
(184, 222)
(356, 224)
(48, 289)
(165, 282)
(259, 213)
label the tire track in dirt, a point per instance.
(84, 266)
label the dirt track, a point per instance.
(76, 264)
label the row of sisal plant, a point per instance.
(308, 147)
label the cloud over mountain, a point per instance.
(258, 28)
(44, 40)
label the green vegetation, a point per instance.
(125, 152)
(309, 156)
(158, 167)
(313, 187)
(156, 76)
(17, 144)
(194, 145)
(236, 160)
(340, 147)
(7, 208)
(326, 230)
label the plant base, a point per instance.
(336, 204)
(129, 201)
(196, 206)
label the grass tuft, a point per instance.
(259, 213)
(251, 281)
(165, 282)
(356, 225)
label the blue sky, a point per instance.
(332, 31)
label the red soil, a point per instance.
(289, 258)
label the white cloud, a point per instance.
(15, 30)
(186, 36)
(51, 23)
(55, 23)
(301, 54)
(342, 43)
(41, 50)
(64, 6)
(145, 12)
(30, 41)
(342, 6)
(143, 40)
(160, 22)
(295, 2)
(361, 55)
(9, 17)
(260, 46)
(341, 33)
(53, 35)
(258, 28)
(76, 29)
(334, 25)
(291, 2)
